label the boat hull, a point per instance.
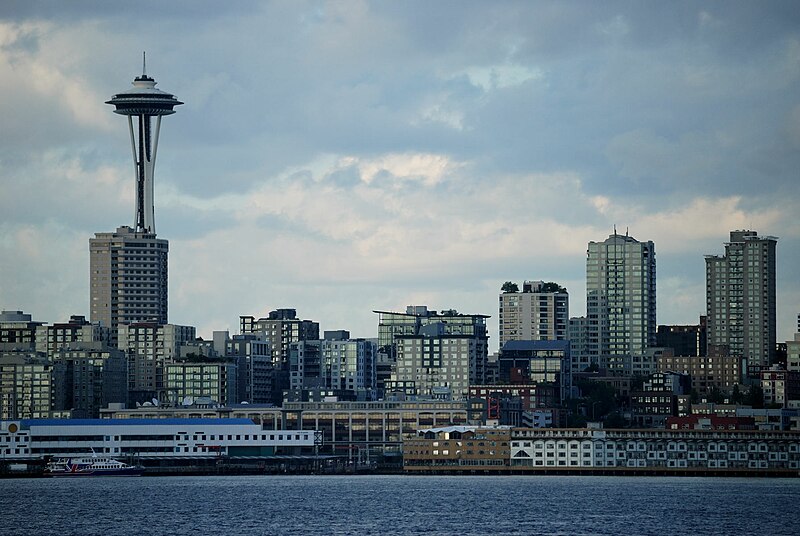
(127, 471)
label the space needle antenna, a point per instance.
(144, 63)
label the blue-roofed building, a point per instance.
(153, 440)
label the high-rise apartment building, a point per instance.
(128, 280)
(280, 329)
(393, 325)
(150, 347)
(434, 364)
(254, 368)
(621, 297)
(539, 313)
(740, 298)
(337, 364)
(31, 386)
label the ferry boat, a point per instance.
(91, 466)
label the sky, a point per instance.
(344, 157)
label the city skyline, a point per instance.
(308, 170)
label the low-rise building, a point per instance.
(149, 439)
(463, 447)
(722, 372)
(697, 450)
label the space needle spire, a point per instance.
(144, 102)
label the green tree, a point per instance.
(755, 397)
(553, 287)
(508, 286)
(736, 395)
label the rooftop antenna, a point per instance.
(144, 64)
(626, 231)
(615, 228)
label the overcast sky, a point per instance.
(343, 157)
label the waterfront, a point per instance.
(371, 505)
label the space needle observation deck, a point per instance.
(144, 102)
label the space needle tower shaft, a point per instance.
(144, 102)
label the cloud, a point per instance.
(342, 157)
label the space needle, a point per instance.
(144, 102)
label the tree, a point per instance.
(553, 287)
(736, 395)
(508, 286)
(755, 397)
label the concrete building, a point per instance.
(539, 313)
(740, 298)
(150, 346)
(393, 325)
(436, 365)
(780, 387)
(707, 373)
(793, 353)
(75, 333)
(280, 329)
(621, 298)
(537, 362)
(31, 387)
(254, 369)
(467, 447)
(684, 339)
(336, 363)
(194, 378)
(95, 378)
(17, 331)
(128, 278)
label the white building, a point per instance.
(147, 438)
(539, 313)
(621, 298)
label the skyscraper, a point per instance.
(740, 298)
(620, 300)
(128, 268)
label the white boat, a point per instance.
(91, 466)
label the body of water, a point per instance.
(377, 505)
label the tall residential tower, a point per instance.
(740, 298)
(128, 268)
(620, 300)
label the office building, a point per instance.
(621, 297)
(95, 378)
(17, 331)
(77, 332)
(149, 347)
(539, 313)
(254, 369)
(740, 298)
(280, 328)
(683, 339)
(393, 325)
(538, 362)
(31, 387)
(190, 379)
